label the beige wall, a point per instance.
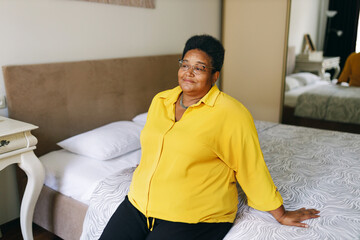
(40, 31)
(254, 37)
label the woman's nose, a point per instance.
(190, 71)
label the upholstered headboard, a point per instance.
(290, 63)
(65, 99)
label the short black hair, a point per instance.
(210, 45)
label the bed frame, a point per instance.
(288, 117)
(65, 99)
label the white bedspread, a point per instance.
(311, 168)
(77, 176)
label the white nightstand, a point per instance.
(318, 66)
(16, 147)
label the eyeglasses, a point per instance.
(197, 68)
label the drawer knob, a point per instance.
(4, 143)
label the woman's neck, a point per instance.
(189, 100)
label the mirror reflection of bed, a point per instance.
(312, 98)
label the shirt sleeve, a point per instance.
(245, 156)
(345, 74)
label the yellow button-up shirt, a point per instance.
(188, 169)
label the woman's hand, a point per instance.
(294, 218)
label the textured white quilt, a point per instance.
(311, 168)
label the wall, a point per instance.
(38, 31)
(254, 37)
(304, 18)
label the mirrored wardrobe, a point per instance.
(322, 34)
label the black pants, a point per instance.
(127, 223)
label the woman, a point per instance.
(197, 142)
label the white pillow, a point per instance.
(106, 142)
(291, 83)
(140, 119)
(306, 78)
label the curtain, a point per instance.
(346, 20)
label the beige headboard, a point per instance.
(65, 99)
(290, 61)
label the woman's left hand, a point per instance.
(294, 218)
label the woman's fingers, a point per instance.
(295, 218)
(309, 213)
(300, 224)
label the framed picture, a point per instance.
(308, 44)
(133, 3)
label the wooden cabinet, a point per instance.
(255, 39)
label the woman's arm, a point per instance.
(294, 218)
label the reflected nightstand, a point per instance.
(16, 147)
(318, 66)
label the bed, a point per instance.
(314, 102)
(312, 168)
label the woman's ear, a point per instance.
(215, 77)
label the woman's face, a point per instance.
(196, 83)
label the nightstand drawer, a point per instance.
(12, 142)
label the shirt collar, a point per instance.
(172, 96)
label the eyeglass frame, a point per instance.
(193, 67)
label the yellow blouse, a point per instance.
(351, 71)
(188, 169)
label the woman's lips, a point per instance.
(188, 80)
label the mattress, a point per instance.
(312, 168)
(76, 176)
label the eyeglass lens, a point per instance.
(197, 68)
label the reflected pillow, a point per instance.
(140, 119)
(292, 83)
(306, 78)
(106, 142)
